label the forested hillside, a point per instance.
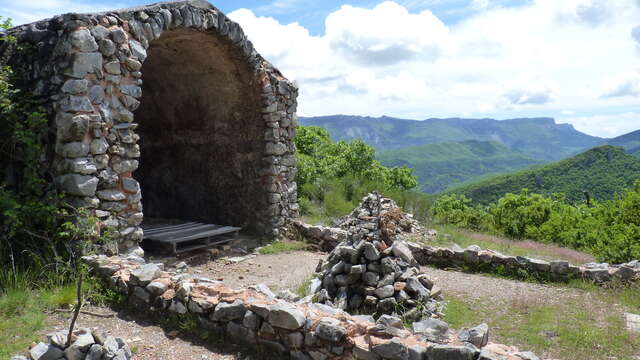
(601, 171)
(443, 165)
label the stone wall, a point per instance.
(285, 330)
(475, 258)
(210, 128)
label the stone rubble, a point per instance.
(85, 345)
(283, 329)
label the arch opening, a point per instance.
(201, 131)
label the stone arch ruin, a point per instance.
(166, 108)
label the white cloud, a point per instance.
(530, 94)
(538, 59)
(624, 84)
(386, 34)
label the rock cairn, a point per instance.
(373, 271)
(85, 345)
(379, 219)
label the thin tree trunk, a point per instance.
(77, 309)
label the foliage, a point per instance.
(600, 172)
(333, 176)
(320, 158)
(610, 230)
(457, 210)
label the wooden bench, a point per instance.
(188, 236)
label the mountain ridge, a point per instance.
(541, 137)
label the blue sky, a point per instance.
(575, 60)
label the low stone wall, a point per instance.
(474, 257)
(282, 329)
(477, 258)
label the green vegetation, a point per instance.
(24, 311)
(610, 230)
(334, 176)
(587, 327)
(601, 172)
(279, 247)
(443, 165)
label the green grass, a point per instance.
(23, 310)
(459, 314)
(303, 289)
(584, 328)
(279, 247)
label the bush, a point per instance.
(334, 176)
(609, 230)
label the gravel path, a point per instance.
(480, 286)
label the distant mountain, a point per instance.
(442, 165)
(630, 142)
(538, 138)
(601, 171)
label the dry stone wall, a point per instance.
(286, 330)
(87, 71)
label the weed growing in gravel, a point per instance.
(282, 247)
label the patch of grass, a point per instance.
(303, 289)
(23, 310)
(282, 247)
(21, 317)
(587, 328)
(459, 314)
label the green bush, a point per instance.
(334, 176)
(609, 230)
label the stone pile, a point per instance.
(372, 271)
(284, 330)
(85, 345)
(379, 219)
(369, 277)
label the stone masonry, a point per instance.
(207, 136)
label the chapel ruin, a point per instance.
(163, 111)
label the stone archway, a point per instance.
(166, 106)
(201, 131)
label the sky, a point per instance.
(577, 61)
